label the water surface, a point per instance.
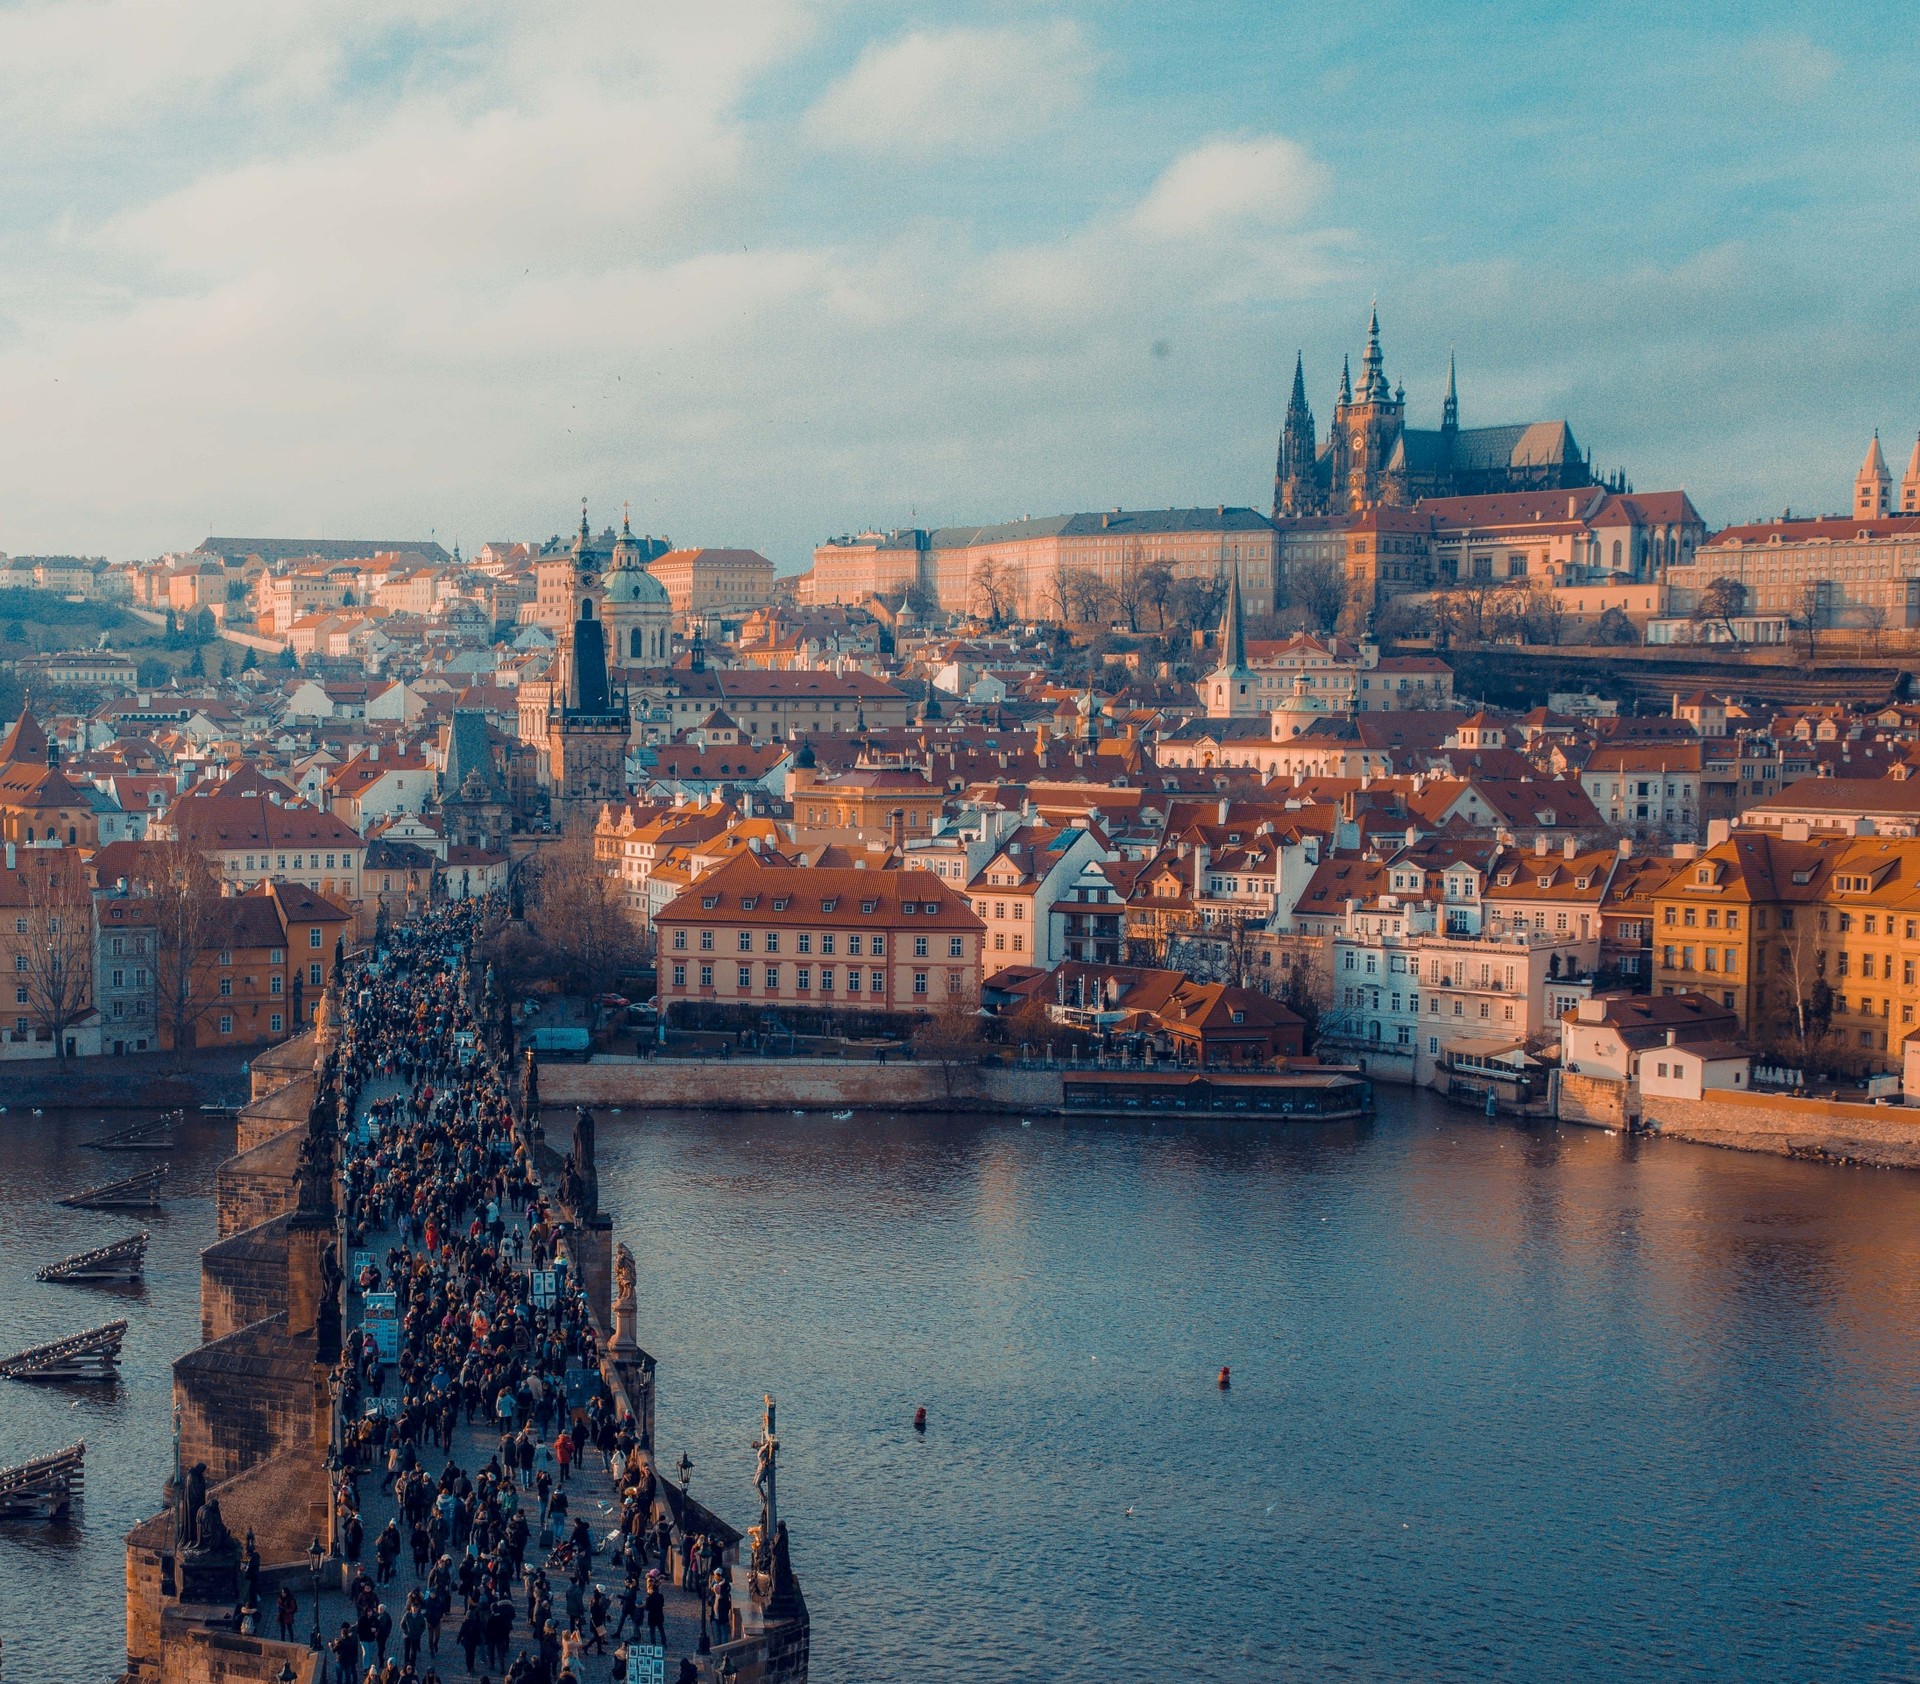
(1505, 1404)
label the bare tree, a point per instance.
(1873, 620)
(1129, 589)
(1795, 1002)
(1720, 601)
(58, 944)
(1057, 597)
(1089, 595)
(578, 910)
(950, 1037)
(1318, 589)
(994, 593)
(1812, 611)
(186, 908)
(1156, 589)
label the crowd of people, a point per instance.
(475, 1337)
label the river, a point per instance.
(1506, 1403)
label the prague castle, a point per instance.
(1370, 456)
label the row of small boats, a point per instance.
(46, 1486)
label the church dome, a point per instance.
(630, 582)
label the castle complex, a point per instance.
(1370, 456)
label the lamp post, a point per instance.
(286, 1674)
(315, 1555)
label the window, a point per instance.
(226, 956)
(826, 943)
(803, 944)
(1019, 942)
(773, 976)
(957, 948)
(999, 944)
(274, 983)
(920, 945)
(745, 941)
(706, 976)
(313, 936)
(853, 947)
(313, 975)
(867, 907)
(853, 979)
(20, 995)
(679, 976)
(276, 956)
(826, 979)
(803, 979)
(919, 982)
(274, 1023)
(743, 980)
(19, 961)
(773, 941)
(876, 981)
(680, 941)
(226, 1024)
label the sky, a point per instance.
(772, 270)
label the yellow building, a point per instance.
(705, 583)
(1814, 943)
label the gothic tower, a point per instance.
(1372, 426)
(1296, 485)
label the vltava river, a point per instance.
(1505, 1404)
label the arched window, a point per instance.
(1616, 553)
(636, 645)
(586, 602)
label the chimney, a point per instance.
(1626, 847)
(1540, 845)
(1569, 848)
(1201, 854)
(1673, 1037)
(1225, 804)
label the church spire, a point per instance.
(1450, 407)
(1297, 404)
(1233, 636)
(1346, 381)
(1373, 374)
(1294, 482)
(1873, 485)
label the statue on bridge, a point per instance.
(588, 1202)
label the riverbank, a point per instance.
(162, 1081)
(1825, 1130)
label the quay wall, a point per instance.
(1594, 1100)
(256, 1185)
(1792, 1127)
(243, 1280)
(781, 1084)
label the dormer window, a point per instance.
(1703, 875)
(829, 904)
(749, 902)
(780, 905)
(709, 901)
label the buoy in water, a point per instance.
(920, 1419)
(1226, 1378)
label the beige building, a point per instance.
(1016, 568)
(1862, 573)
(711, 584)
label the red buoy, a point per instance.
(920, 1419)
(1226, 1378)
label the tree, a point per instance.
(949, 1037)
(187, 915)
(1057, 596)
(1545, 615)
(1721, 600)
(1318, 588)
(1873, 621)
(1794, 1000)
(197, 667)
(1156, 589)
(1088, 594)
(1197, 602)
(994, 595)
(1614, 628)
(289, 660)
(58, 944)
(249, 660)
(576, 906)
(1129, 589)
(1813, 608)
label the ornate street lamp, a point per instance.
(315, 1555)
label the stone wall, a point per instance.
(272, 1115)
(1795, 1128)
(1594, 1100)
(243, 1280)
(257, 1185)
(193, 1654)
(245, 1398)
(273, 1069)
(782, 1084)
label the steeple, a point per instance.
(1910, 483)
(1450, 406)
(1373, 374)
(1346, 381)
(1228, 689)
(1873, 485)
(1295, 486)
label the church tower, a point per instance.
(586, 722)
(1873, 485)
(1372, 426)
(1229, 689)
(1910, 483)
(1296, 487)
(636, 608)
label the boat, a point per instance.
(92, 1355)
(154, 1135)
(843, 1116)
(44, 1487)
(131, 1192)
(122, 1261)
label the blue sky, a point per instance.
(776, 269)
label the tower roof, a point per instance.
(25, 742)
(1875, 466)
(1233, 636)
(1913, 463)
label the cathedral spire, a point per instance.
(1346, 381)
(1294, 481)
(1450, 408)
(1297, 404)
(1373, 374)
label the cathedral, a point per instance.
(618, 619)
(1371, 456)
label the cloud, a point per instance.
(1267, 180)
(955, 90)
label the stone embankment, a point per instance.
(782, 1084)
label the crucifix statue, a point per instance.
(767, 1452)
